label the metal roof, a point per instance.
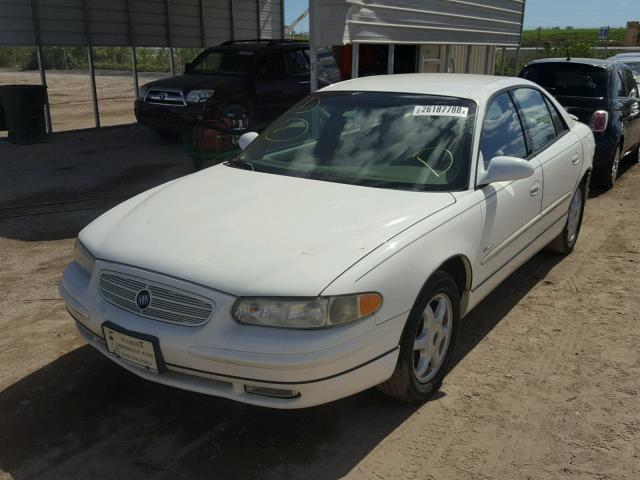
(488, 22)
(140, 23)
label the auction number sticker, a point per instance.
(440, 111)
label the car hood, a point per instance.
(194, 81)
(251, 233)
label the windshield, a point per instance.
(387, 140)
(569, 79)
(228, 62)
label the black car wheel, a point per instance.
(567, 239)
(606, 177)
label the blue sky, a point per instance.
(541, 13)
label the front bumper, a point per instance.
(173, 118)
(223, 357)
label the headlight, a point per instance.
(142, 92)
(317, 312)
(197, 96)
(83, 257)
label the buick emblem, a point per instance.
(143, 299)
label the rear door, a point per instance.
(558, 150)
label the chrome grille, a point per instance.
(165, 97)
(167, 304)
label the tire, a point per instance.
(636, 157)
(416, 377)
(567, 239)
(607, 177)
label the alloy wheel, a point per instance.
(432, 338)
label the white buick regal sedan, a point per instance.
(340, 250)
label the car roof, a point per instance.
(257, 45)
(474, 87)
(594, 62)
(625, 55)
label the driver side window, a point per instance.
(502, 132)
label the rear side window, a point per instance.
(630, 82)
(536, 117)
(619, 87)
(502, 132)
(558, 121)
(297, 62)
(568, 79)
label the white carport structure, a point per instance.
(453, 35)
(135, 23)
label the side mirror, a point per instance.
(502, 169)
(246, 138)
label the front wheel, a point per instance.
(427, 343)
(567, 239)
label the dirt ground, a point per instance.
(70, 98)
(546, 383)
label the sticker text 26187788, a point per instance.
(440, 111)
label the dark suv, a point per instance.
(253, 79)
(602, 94)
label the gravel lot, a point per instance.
(546, 383)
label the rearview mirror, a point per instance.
(502, 169)
(246, 138)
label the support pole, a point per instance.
(487, 60)
(259, 12)
(355, 60)
(94, 92)
(203, 31)
(515, 67)
(447, 58)
(92, 72)
(504, 60)
(467, 63)
(313, 51)
(283, 29)
(134, 65)
(232, 20)
(172, 64)
(134, 59)
(391, 58)
(41, 67)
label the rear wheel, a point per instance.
(427, 343)
(565, 242)
(606, 177)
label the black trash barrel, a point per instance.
(23, 107)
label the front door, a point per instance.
(511, 209)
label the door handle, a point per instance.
(306, 82)
(575, 159)
(534, 189)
